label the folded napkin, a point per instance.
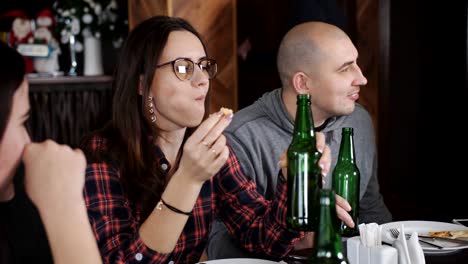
(371, 234)
(409, 252)
(368, 249)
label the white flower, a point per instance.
(112, 5)
(78, 46)
(90, 2)
(117, 43)
(98, 9)
(87, 32)
(87, 18)
(75, 26)
(65, 37)
(112, 17)
(94, 17)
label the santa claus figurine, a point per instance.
(43, 35)
(21, 33)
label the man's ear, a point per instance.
(140, 85)
(299, 81)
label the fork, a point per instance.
(395, 233)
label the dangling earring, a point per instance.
(151, 109)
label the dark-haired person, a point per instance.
(153, 184)
(52, 177)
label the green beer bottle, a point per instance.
(346, 179)
(328, 248)
(304, 173)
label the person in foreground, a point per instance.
(157, 174)
(53, 180)
(318, 59)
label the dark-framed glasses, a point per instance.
(183, 67)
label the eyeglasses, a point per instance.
(183, 68)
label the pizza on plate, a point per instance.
(450, 234)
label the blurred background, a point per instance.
(413, 53)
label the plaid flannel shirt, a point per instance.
(258, 224)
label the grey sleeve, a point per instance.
(221, 244)
(243, 154)
(372, 207)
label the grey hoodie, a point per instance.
(261, 132)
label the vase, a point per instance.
(92, 56)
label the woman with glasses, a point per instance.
(157, 175)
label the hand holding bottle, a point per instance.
(324, 161)
(346, 179)
(342, 206)
(304, 170)
(342, 210)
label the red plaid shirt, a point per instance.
(258, 224)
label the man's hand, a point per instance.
(324, 162)
(342, 209)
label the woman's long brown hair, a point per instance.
(130, 135)
(12, 70)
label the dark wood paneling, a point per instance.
(139, 10)
(65, 112)
(423, 106)
(216, 22)
(366, 40)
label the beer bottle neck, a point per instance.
(304, 124)
(328, 239)
(347, 153)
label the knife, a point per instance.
(434, 239)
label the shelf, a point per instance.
(69, 84)
(70, 79)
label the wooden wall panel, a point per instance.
(139, 10)
(216, 22)
(367, 43)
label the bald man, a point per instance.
(318, 59)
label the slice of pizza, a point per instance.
(450, 234)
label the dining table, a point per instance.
(456, 257)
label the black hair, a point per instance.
(12, 70)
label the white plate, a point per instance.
(240, 261)
(422, 228)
